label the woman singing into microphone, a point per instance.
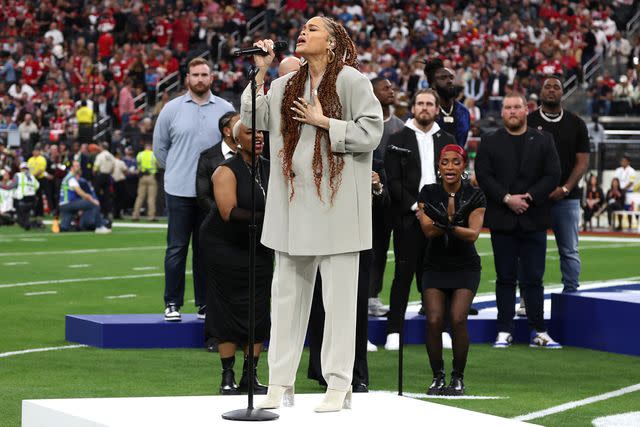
(451, 217)
(324, 123)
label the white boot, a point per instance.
(393, 342)
(275, 395)
(335, 400)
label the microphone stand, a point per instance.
(250, 413)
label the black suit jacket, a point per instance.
(501, 85)
(207, 163)
(405, 170)
(498, 173)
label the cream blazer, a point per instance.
(306, 225)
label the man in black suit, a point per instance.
(411, 163)
(517, 168)
(207, 163)
(496, 86)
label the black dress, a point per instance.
(227, 263)
(451, 263)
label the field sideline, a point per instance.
(44, 276)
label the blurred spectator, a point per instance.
(7, 68)
(6, 199)
(119, 177)
(85, 118)
(625, 174)
(28, 132)
(619, 50)
(126, 106)
(37, 164)
(615, 202)
(596, 131)
(103, 166)
(147, 184)
(600, 96)
(74, 200)
(593, 202)
(21, 89)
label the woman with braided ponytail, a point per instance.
(324, 123)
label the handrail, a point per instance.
(635, 19)
(140, 101)
(570, 86)
(101, 127)
(259, 17)
(168, 83)
(588, 73)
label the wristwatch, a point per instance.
(565, 190)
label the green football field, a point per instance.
(44, 276)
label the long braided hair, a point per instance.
(345, 54)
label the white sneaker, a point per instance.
(172, 313)
(446, 340)
(103, 230)
(543, 340)
(393, 342)
(376, 308)
(371, 346)
(503, 340)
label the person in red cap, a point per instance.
(450, 214)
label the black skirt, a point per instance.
(451, 280)
(227, 318)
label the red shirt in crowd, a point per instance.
(162, 31)
(105, 45)
(31, 71)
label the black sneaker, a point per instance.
(456, 386)
(202, 312)
(172, 313)
(438, 384)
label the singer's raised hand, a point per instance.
(263, 62)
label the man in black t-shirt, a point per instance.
(572, 143)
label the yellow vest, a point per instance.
(147, 162)
(84, 115)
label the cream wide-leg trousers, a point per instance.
(291, 295)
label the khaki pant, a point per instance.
(291, 294)
(147, 188)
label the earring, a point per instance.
(303, 61)
(239, 147)
(438, 174)
(332, 56)
(465, 175)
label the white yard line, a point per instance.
(144, 268)
(577, 403)
(31, 294)
(426, 396)
(10, 264)
(39, 350)
(33, 239)
(83, 251)
(128, 225)
(79, 280)
(79, 265)
(121, 296)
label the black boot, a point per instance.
(244, 381)
(456, 386)
(438, 384)
(228, 385)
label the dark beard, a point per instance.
(447, 93)
(424, 122)
(552, 105)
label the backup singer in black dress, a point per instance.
(451, 217)
(228, 261)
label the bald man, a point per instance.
(288, 65)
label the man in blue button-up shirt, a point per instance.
(186, 126)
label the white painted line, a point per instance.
(9, 264)
(79, 265)
(121, 296)
(618, 420)
(128, 225)
(38, 350)
(33, 239)
(144, 268)
(84, 251)
(79, 280)
(30, 294)
(577, 403)
(426, 396)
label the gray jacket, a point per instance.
(306, 225)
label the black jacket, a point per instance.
(207, 163)
(498, 174)
(405, 170)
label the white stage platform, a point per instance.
(382, 409)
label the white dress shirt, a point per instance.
(227, 152)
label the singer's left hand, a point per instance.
(310, 114)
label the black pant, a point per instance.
(409, 245)
(315, 329)
(121, 198)
(103, 190)
(23, 209)
(519, 255)
(382, 226)
(185, 218)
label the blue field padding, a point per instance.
(606, 321)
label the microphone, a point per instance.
(278, 46)
(400, 150)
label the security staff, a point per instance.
(25, 187)
(147, 185)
